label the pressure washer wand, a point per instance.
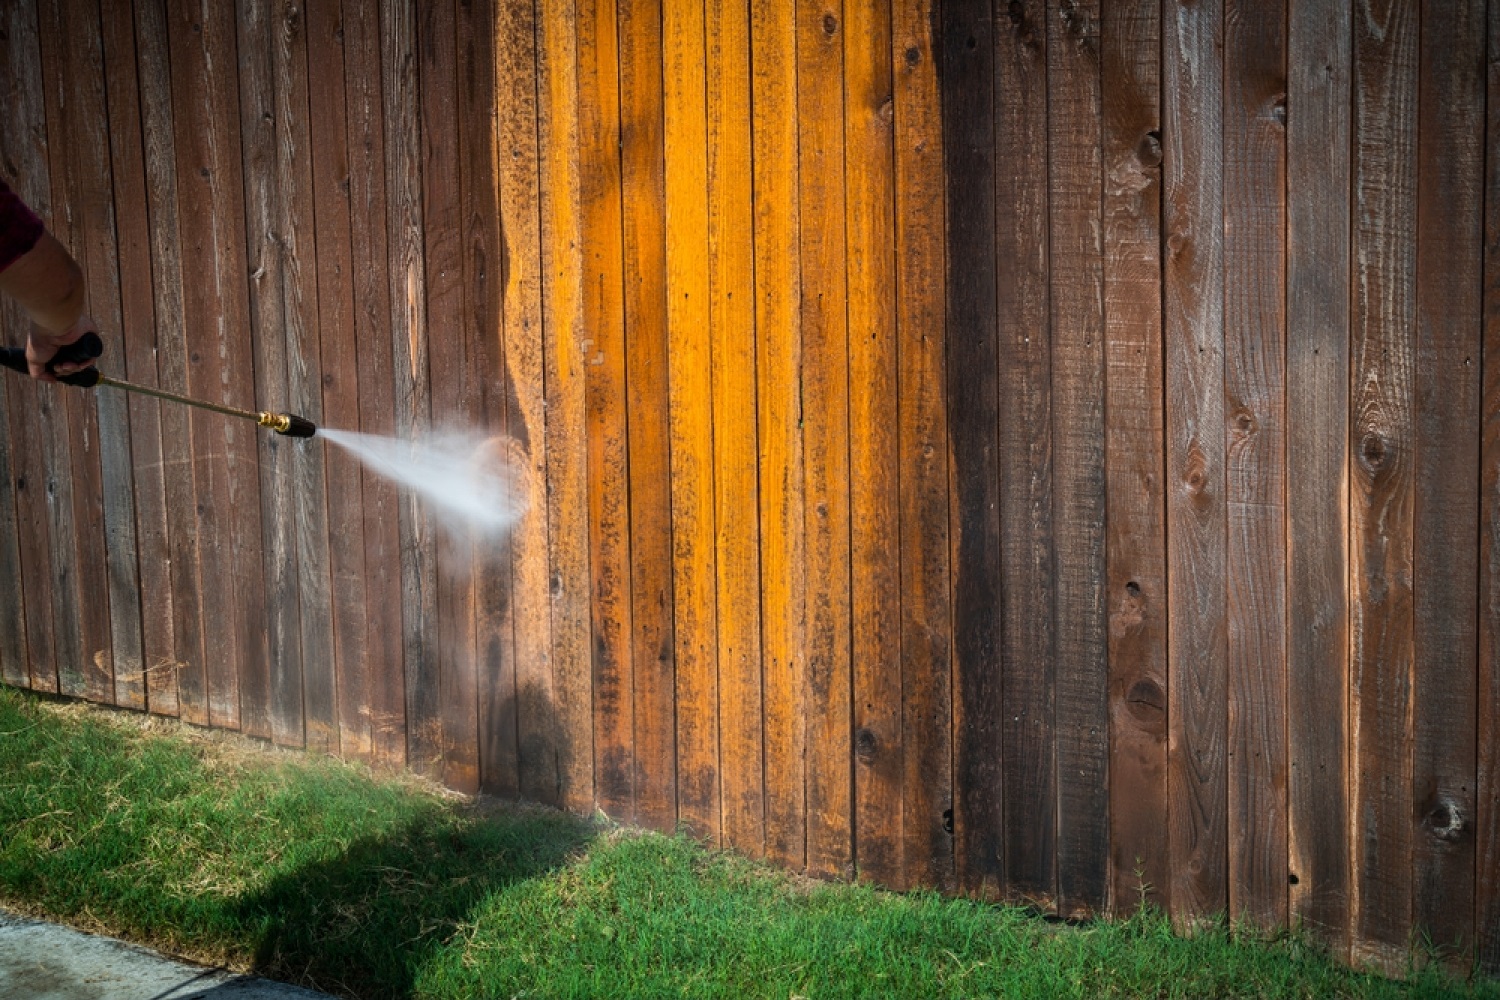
(89, 346)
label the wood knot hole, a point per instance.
(913, 56)
(947, 820)
(866, 745)
(1445, 820)
(830, 25)
(1373, 452)
(1148, 150)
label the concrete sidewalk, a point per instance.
(42, 961)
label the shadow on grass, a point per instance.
(364, 923)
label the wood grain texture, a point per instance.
(176, 684)
(406, 273)
(874, 486)
(372, 694)
(926, 646)
(1025, 713)
(732, 320)
(565, 375)
(1255, 456)
(149, 558)
(1487, 789)
(1446, 438)
(778, 340)
(603, 357)
(1076, 259)
(825, 437)
(1135, 456)
(694, 554)
(82, 219)
(350, 663)
(1193, 195)
(1319, 49)
(541, 744)
(1386, 37)
(454, 386)
(644, 201)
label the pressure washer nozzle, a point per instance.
(288, 424)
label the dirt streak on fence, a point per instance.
(1025, 448)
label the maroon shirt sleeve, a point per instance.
(19, 227)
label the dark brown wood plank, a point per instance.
(22, 143)
(874, 502)
(13, 669)
(1487, 884)
(737, 503)
(1076, 279)
(215, 304)
(1487, 789)
(1319, 46)
(177, 685)
(1386, 39)
(349, 664)
(644, 201)
(150, 554)
(604, 357)
(1194, 329)
(1027, 574)
(1135, 455)
(541, 741)
(778, 340)
(969, 75)
(407, 276)
(565, 377)
(484, 277)
(1255, 456)
(82, 219)
(454, 385)
(825, 437)
(926, 646)
(1446, 435)
(372, 692)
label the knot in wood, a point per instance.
(1016, 11)
(1146, 701)
(1444, 819)
(1148, 150)
(913, 56)
(1373, 452)
(830, 25)
(1244, 423)
(866, 745)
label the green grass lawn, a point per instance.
(315, 872)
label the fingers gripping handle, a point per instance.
(85, 348)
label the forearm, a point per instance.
(48, 284)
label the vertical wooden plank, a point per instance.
(372, 693)
(1319, 41)
(1487, 888)
(1386, 36)
(151, 554)
(1487, 790)
(407, 273)
(737, 504)
(1446, 435)
(215, 304)
(1027, 588)
(454, 389)
(82, 219)
(1255, 456)
(23, 139)
(778, 306)
(13, 669)
(926, 647)
(689, 348)
(1076, 276)
(1194, 324)
(825, 436)
(874, 487)
(541, 743)
(484, 280)
(1135, 455)
(332, 186)
(644, 200)
(604, 358)
(567, 450)
(176, 685)
(970, 76)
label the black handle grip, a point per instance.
(85, 348)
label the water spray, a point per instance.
(89, 347)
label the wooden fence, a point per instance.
(1042, 450)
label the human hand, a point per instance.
(42, 347)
